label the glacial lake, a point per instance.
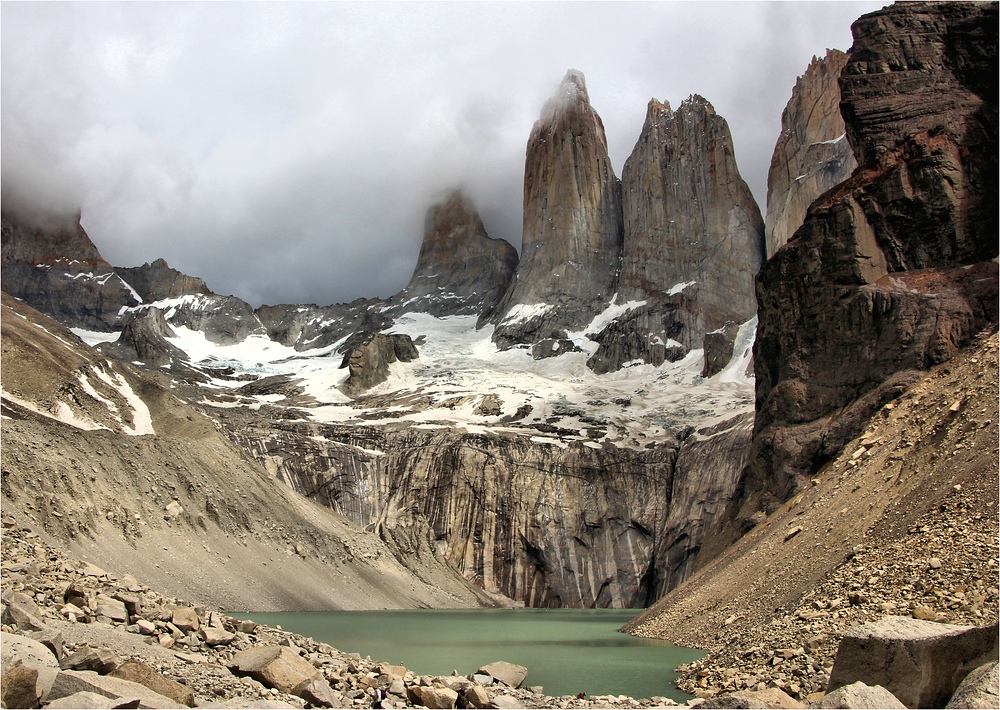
(568, 651)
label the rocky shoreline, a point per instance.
(124, 645)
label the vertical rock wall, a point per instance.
(572, 232)
(895, 269)
(812, 154)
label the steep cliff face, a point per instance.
(157, 281)
(572, 233)
(693, 238)
(895, 269)
(812, 154)
(55, 267)
(460, 269)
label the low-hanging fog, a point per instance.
(287, 152)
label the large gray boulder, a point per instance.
(509, 674)
(277, 667)
(980, 689)
(139, 672)
(859, 695)
(920, 662)
(70, 682)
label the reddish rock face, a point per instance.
(812, 154)
(895, 269)
(572, 233)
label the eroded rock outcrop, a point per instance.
(460, 269)
(572, 233)
(156, 281)
(812, 154)
(369, 361)
(693, 238)
(144, 338)
(895, 269)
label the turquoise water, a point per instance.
(568, 651)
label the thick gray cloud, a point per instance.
(287, 152)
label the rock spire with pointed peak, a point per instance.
(572, 230)
(460, 269)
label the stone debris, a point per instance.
(168, 653)
(980, 689)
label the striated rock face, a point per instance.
(157, 281)
(460, 270)
(56, 268)
(692, 228)
(895, 269)
(689, 216)
(812, 154)
(572, 233)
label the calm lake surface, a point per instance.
(568, 651)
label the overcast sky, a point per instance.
(287, 152)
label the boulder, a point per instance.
(859, 695)
(83, 700)
(509, 674)
(19, 687)
(139, 672)
(19, 651)
(186, 618)
(507, 702)
(920, 662)
(980, 689)
(275, 666)
(99, 660)
(432, 696)
(215, 637)
(317, 692)
(51, 639)
(113, 609)
(476, 697)
(69, 682)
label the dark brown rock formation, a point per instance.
(895, 269)
(55, 267)
(572, 234)
(812, 154)
(693, 237)
(719, 348)
(460, 270)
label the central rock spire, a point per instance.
(572, 232)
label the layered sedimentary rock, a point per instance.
(895, 269)
(812, 154)
(55, 267)
(460, 269)
(693, 237)
(572, 231)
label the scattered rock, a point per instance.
(139, 672)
